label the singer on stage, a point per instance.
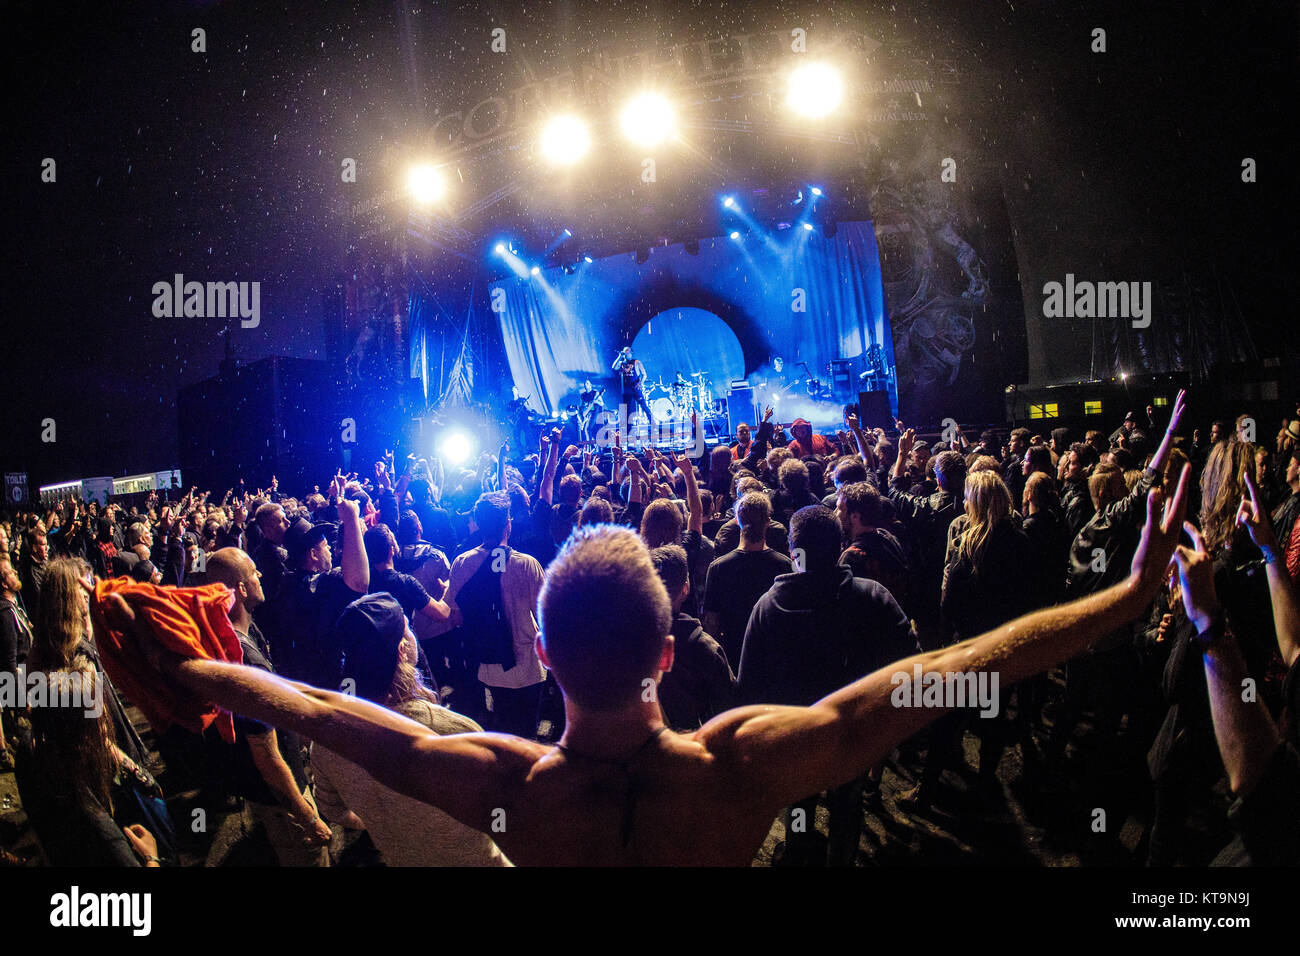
(632, 375)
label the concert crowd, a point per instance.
(469, 665)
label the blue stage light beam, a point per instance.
(506, 251)
(560, 239)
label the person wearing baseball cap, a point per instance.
(379, 666)
(299, 621)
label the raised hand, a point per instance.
(1196, 578)
(1254, 518)
(1180, 406)
(349, 510)
(1160, 535)
(905, 442)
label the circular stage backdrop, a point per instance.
(690, 340)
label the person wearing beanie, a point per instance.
(380, 654)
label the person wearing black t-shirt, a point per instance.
(266, 766)
(381, 549)
(700, 685)
(738, 579)
(300, 622)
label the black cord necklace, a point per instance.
(624, 764)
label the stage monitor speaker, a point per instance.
(740, 408)
(874, 410)
(842, 380)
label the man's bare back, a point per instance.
(676, 803)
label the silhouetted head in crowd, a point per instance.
(409, 529)
(662, 523)
(859, 508)
(1081, 458)
(271, 520)
(815, 539)
(381, 546)
(1122, 458)
(849, 471)
(950, 472)
(1038, 458)
(1039, 494)
(794, 477)
(1106, 484)
(596, 511)
(492, 516)
(236, 570)
(671, 565)
(570, 490)
(754, 514)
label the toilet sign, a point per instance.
(16, 487)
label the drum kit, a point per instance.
(677, 401)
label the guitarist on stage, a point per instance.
(589, 404)
(632, 375)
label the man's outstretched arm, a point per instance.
(785, 753)
(464, 775)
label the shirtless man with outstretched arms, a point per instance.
(620, 789)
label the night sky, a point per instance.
(225, 165)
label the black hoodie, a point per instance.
(814, 632)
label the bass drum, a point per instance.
(664, 410)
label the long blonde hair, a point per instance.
(988, 503)
(1222, 485)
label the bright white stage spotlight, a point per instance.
(808, 226)
(501, 248)
(735, 235)
(565, 140)
(455, 448)
(425, 184)
(648, 120)
(535, 270)
(729, 202)
(815, 90)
